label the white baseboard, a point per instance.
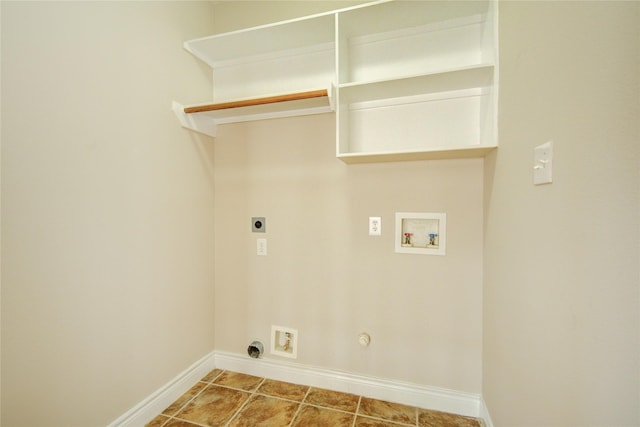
(484, 414)
(457, 402)
(157, 402)
(439, 399)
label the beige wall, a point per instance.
(108, 222)
(233, 15)
(325, 276)
(561, 282)
(107, 206)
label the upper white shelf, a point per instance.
(317, 30)
(406, 79)
(390, 16)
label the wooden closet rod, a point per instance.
(257, 101)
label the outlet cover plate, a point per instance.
(261, 247)
(375, 226)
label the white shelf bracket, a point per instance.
(201, 124)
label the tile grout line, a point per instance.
(246, 402)
(187, 421)
(180, 408)
(256, 392)
(385, 420)
(355, 415)
(173, 416)
(329, 408)
(165, 421)
(300, 406)
(304, 402)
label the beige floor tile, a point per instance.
(214, 406)
(179, 403)
(370, 422)
(388, 411)
(180, 423)
(284, 390)
(211, 375)
(221, 398)
(427, 418)
(237, 380)
(264, 411)
(157, 421)
(332, 399)
(311, 416)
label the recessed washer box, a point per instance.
(284, 341)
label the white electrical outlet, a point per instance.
(375, 226)
(261, 247)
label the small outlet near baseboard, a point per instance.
(284, 341)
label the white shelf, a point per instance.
(430, 154)
(446, 121)
(416, 80)
(292, 35)
(390, 16)
(453, 79)
(205, 118)
(409, 79)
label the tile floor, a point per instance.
(230, 399)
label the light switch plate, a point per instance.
(543, 163)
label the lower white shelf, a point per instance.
(205, 118)
(427, 154)
(444, 124)
(453, 124)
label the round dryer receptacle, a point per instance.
(255, 349)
